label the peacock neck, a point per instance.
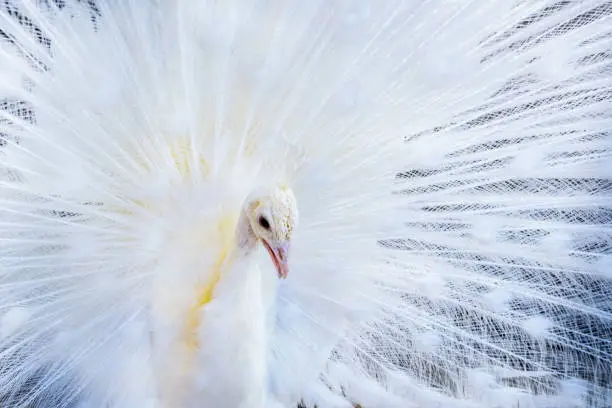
(245, 241)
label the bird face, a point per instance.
(273, 217)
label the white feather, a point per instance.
(451, 162)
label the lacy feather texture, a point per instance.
(450, 161)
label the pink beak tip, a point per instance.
(279, 257)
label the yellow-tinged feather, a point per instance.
(184, 353)
(182, 153)
(206, 293)
(226, 230)
(222, 240)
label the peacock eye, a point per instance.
(264, 223)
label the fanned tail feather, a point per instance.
(451, 160)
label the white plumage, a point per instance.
(450, 162)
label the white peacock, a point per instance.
(266, 203)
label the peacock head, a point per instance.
(272, 215)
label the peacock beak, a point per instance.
(279, 254)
